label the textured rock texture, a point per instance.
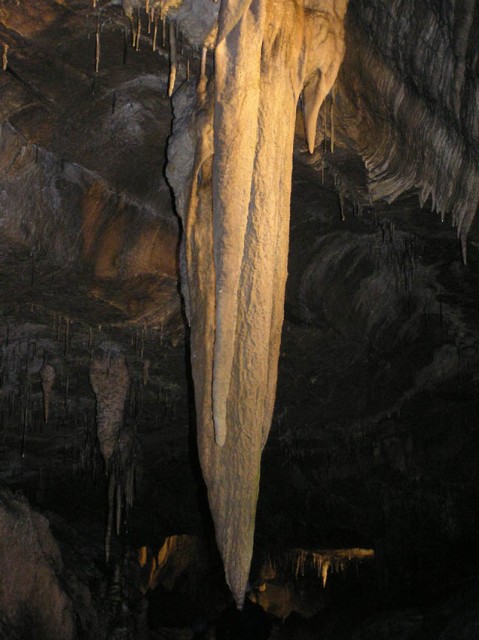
(32, 595)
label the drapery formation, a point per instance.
(230, 164)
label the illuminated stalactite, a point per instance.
(172, 77)
(230, 163)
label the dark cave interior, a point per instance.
(368, 512)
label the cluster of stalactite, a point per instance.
(322, 562)
(163, 20)
(178, 555)
(30, 368)
(327, 561)
(409, 92)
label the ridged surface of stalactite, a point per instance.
(234, 199)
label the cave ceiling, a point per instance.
(379, 348)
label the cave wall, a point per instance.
(373, 438)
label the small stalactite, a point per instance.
(163, 30)
(138, 30)
(155, 31)
(25, 415)
(119, 501)
(47, 375)
(59, 326)
(146, 372)
(144, 331)
(172, 77)
(133, 32)
(339, 188)
(130, 486)
(203, 80)
(125, 46)
(67, 336)
(332, 121)
(32, 277)
(324, 572)
(5, 57)
(67, 388)
(148, 15)
(97, 44)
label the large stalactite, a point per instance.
(234, 200)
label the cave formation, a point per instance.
(239, 317)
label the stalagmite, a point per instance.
(47, 375)
(235, 214)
